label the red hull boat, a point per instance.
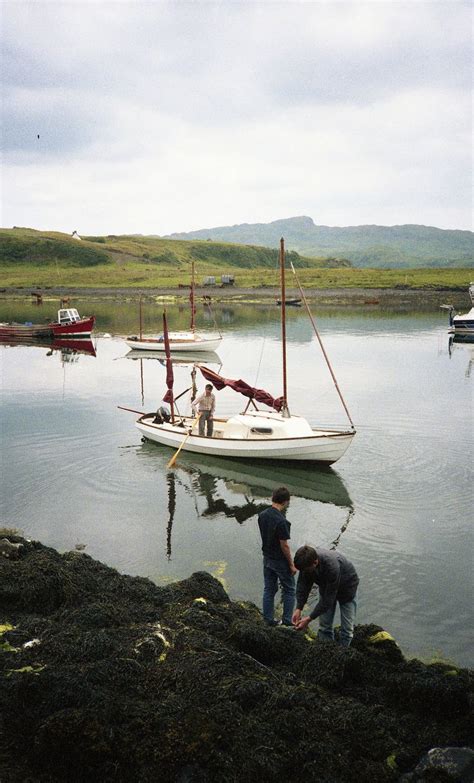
(79, 328)
(69, 324)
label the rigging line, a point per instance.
(321, 345)
(260, 361)
(335, 543)
(214, 319)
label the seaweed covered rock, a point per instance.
(110, 677)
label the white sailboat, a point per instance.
(256, 434)
(191, 340)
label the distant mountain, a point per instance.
(364, 246)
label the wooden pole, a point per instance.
(285, 411)
(193, 326)
(140, 310)
(174, 457)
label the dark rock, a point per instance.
(449, 765)
(135, 683)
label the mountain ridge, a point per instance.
(398, 246)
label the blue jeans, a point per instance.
(348, 614)
(274, 572)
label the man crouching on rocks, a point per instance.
(337, 580)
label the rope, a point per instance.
(321, 345)
(260, 362)
(208, 304)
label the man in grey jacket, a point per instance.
(337, 580)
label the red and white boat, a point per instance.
(68, 324)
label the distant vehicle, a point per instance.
(210, 280)
(227, 279)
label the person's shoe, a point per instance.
(289, 626)
(272, 623)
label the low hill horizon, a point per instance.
(404, 246)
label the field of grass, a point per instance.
(139, 276)
(32, 259)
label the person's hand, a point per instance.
(293, 570)
(303, 624)
(296, 616)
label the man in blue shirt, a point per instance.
(337, 580)
(278, 566)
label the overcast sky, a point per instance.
(156, 117)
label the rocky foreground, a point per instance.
(106, 677)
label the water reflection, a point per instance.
(183, 357)
(171, 482)
(68, 349)
(236, 490)
(463, 342)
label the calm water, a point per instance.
(74, 469)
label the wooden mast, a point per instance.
(191, 297)
(285, 412)
(140, 310)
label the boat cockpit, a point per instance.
(68, 316)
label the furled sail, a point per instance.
(169, 365)
(243, 388)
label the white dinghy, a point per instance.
(255, 434)
(179, 341)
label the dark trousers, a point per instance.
(206, 418)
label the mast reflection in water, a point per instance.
(211, 479)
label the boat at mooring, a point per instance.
(253, 434)
(461, 323)
(189, 341)
(68, 324)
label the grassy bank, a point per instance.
(33, 259)
(139, 276)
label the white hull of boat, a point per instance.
(325, 446)
(178, 341)
(462, 324)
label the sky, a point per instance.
(156, 117)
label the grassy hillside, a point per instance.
(31, 258)
(364, 246)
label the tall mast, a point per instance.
(140, 310)
(285, 412)
(191, 297)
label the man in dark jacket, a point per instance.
(278, 564)
(337, 580)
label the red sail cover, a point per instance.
(243, 388)
(169, 366)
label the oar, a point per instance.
(131, 410)
(174, 457)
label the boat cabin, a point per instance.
(68, 315)
(261, 425)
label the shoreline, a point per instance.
(263, 295)
(107, 676)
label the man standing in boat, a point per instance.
(278, 566)
(337, 580)
(205, 405)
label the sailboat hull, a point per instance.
(324, 446)
(187, 343)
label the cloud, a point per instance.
(155, 117)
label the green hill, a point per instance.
(30, 257)
(52, 259)
(364, 246)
